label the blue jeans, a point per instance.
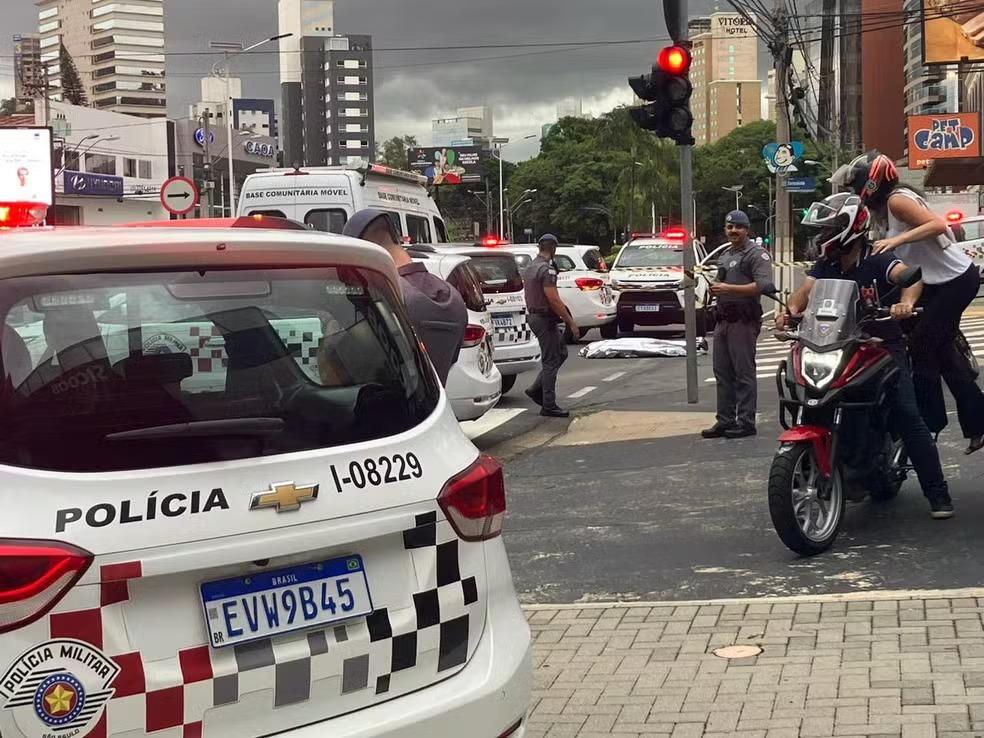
(905, 419)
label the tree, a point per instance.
(73, 91)
(8, 106)
(393, 153)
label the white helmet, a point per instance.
(842, 220)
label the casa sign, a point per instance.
(257, 148)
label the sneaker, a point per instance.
(940, 505)
(740, 432)
(718, 430)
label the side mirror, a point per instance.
(909, 276)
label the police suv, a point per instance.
(297, 541)
(647, 277)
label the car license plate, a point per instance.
(272, 602)
(502, 321)
(647, 308)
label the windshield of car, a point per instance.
(109, 372)
(498, 273)
(649, 255)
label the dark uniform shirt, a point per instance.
(437, 313)
(872, 270)
(539, 274)
(744, 266)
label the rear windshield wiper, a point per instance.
(200, 428)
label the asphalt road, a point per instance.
(628, 503)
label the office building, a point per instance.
(468, 126)
(117, 49)
(727, 91)
(327, 88)
(252, 114)
(28, 71)
(570, 109)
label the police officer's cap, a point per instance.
(738, 218)
(548, 238)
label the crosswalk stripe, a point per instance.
(490, 421)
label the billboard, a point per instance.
(25, 166)
(943, 136)
(446, 165)
(952, 31)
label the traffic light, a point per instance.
(668, 89)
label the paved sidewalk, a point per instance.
(908, 665)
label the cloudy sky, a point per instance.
(523, 85)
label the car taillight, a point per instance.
(589, 283)
(34, 576)
(474, 501)
(474, 335)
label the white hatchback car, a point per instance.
(211, 530)
(586, 292)
(474, 383)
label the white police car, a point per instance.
(306, 546)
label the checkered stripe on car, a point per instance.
(210, 354)
(390, 652)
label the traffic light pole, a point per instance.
(783, 226)
(689, 295)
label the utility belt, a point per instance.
(739, 312)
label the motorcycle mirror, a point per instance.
(909, 276)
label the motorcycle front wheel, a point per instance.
(806, 508)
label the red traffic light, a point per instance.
(674, 60)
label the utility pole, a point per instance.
(783, 56)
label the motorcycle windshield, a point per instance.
(831, 315)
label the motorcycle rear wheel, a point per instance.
(806, 509)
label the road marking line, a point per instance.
(581, 392)
(613, 377)
(490, 421)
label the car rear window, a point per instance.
(109, 372)
(594, 261)
(498, 273)
(465, 279)
(649, 255)
(330, 220)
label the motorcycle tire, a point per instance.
(807, 522)
(895, 475)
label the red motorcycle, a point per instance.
(836, 446)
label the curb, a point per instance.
(873, 596)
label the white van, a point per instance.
(325, 198)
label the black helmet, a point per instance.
(841, 219)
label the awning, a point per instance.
(961, 171)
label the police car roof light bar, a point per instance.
(676, 234)
(21, 214)
(35, 575)
(954, 216)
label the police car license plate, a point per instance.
(502, 321)
(269, 603)
(647, 308)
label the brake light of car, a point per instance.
(474, 335)
(19, 214)
(474, 501)
(589, 284)
(34, 576)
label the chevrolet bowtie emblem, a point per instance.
(284, 496)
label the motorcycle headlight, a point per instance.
(819, 367)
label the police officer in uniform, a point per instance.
(745, 270)
(546, 313)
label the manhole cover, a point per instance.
(737, 652)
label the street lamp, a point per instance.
(95, 138)
(237, 48)
(497, 153)
(632, 195)
(737, 190)
(523, 200)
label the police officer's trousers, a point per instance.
(734, 370)
(553, 353)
